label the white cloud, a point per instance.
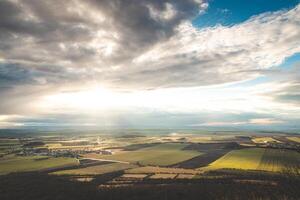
(258, 121)
(222, 54)
(265, 121)
(10, 120)
(46, 49)
(145, 45)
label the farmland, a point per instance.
(294, 139)
(240, 159)
(160, 170)
(158, 155)
(279, 160)
(273, 160)
(264, 140)
(163, 176)
(110, 162)
(10, 164)
(136, 157)
(94, 170)
(8, 145)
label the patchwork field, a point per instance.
(211, 152)
(10, 164)
(274, 160)
(158, 155)
(99, 169)
(141, 155)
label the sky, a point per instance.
(150, 63)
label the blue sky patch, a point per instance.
(291, 61)
(230, 12)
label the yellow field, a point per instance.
(294, 139)
(201, 139)
(261, 140)
(60, 146)
(134, 176)
(239, 159)
(163, 176)
(185, 176)
(275, 160)
(93, 170)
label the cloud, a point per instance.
(140, 45)
(10, 121)
(47, 47)
(110, 33)
(220, 54)
(289, 82)
(256, 121)
(56, 45)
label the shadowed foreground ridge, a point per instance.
(31, 186)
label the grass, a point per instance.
(274, 160)
(294, 139)
(159, 155)
(94, 170)
(10, 164)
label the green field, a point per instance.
(100, 169)
(279, 160)
(8, 145)
(11, 163)
(274, 160)
(158, 155)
